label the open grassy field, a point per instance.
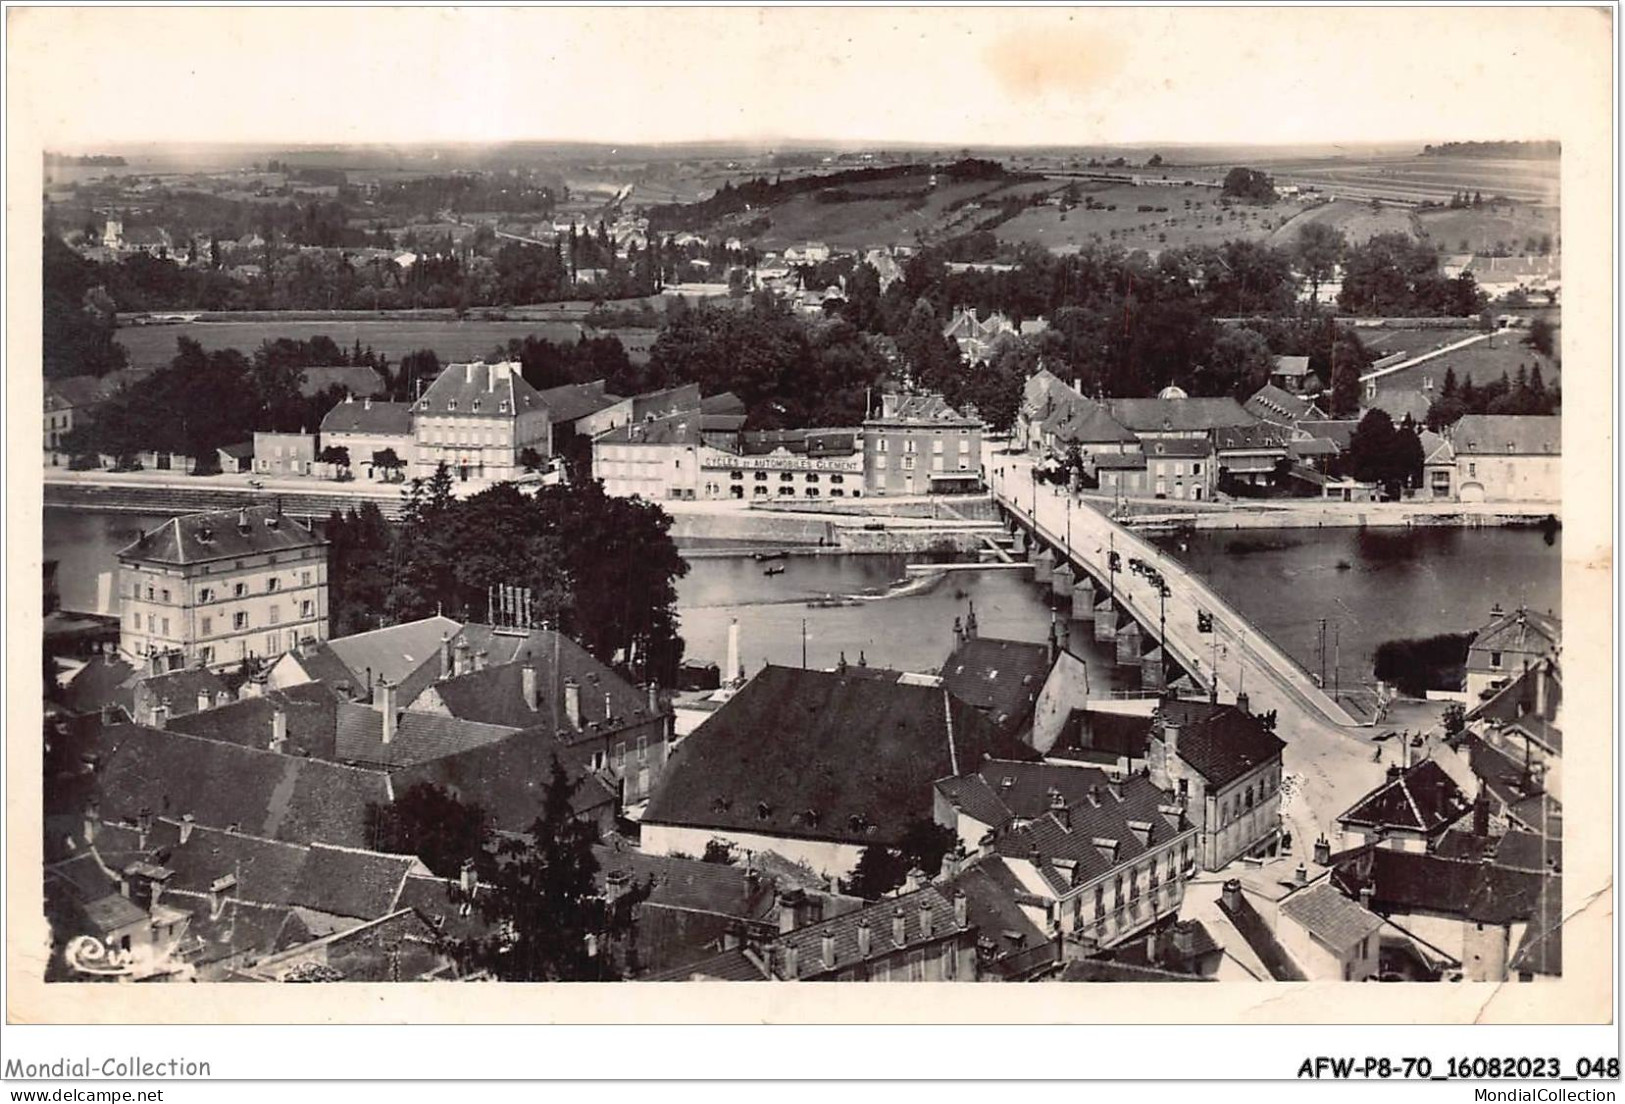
(1192, 216)
(1482, 362)
(891, 212)
(1357, 221)
(451, 340)
(1482, 229)
(1419, 178)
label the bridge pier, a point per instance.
(1153, 673)
(1128, 643)
(1061, 582)
(1019, 547)
(1106, 619)
(1043, 564)
(1083, 599)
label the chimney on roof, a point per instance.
(654, 699)
(143, 826)
(925, 917)
(1244, 703)
(366, 404)
(1323, 851)
(460, 664)
(732, 672)
(961, 910)
(1394, 769)
(863, 939)
(827, 946)
(219, 893)
(1116, 791)
(479, 660)
(242, 520)
(1230, 895)
(1481, 815)
(188, 822)
(445, 655)
(92, 821)
(384, 699)
(899, 926)
(609, 707)
(572, 703)
(160, 713)
(279, 729)
(789, 910)
(790, 961)
(1367, 892)
(1301, 875)
(466, 877)
(527, 685)
(252, 687)
(468, 373)
(205, 700)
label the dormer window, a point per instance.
(451, 404)
(476, 406)
(502, 406)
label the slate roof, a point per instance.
(1096, 834)
(407, 654)
(1290, 366)
(1408, 881)
(496, 695)
(732, 965)
(282, 797)
(1002, 678)
(1220, 742)
(1264, 435)
(859, 755)
(309, 709)
(1101, 969)
(440, 902)
(992, 910)
(1127, 461)
(1515, 849)
(508, 778)
(1524, 798)
(419, 737)
(373, 417)
(457, 389)
(576, 400)
(77, 391)
(1507, 435)
(1399, 404)
(1282, 407)
(682, 399)
(179, 688)
(807, 442)
(1518, 634)
(357, 379)
(100, 682)
(1421, 799)
(348, 882)
(221, 535)
(1182, 415)
(689, 884)
(674, 429)
(1336, 922)
(930, 409)
(1125, 735)
(1514, 707)
(1339, 431)
(725, 403)
(808, 941)
(1074, 418)
(1179, 447)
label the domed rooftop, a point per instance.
(1172, 392)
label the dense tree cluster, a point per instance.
(1383, 453)
(1248, 185)
(79, 316)
(1392, 274)
(602, 568)
(788, 371)
(882, 869)
(1524, 392)
(1497, 150)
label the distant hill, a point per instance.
(1536, 151)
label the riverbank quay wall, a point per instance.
(166, 498)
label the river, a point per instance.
(1396, 583)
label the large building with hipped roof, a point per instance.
(218, 587)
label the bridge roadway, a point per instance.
(1326, 751)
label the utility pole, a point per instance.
(1337, 659)
(1323, 653)
(803, 643)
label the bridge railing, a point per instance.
(1244, 633)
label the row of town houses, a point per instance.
(208, 823)
(1180, 447)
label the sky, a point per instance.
(948, 76)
